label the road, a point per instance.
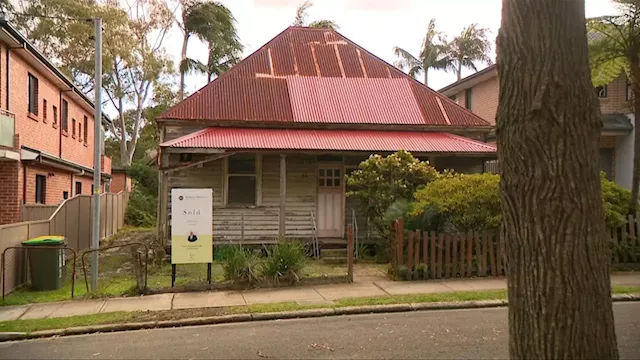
(476, 334)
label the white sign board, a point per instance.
(191, 226)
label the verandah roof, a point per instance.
(329, 140)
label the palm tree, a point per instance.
(614, 49)
(212, 23)
(471, 45)
(302, 16)
(433, 55)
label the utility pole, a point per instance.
(97, 145)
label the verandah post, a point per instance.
(283, 194)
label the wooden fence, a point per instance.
(71, 219)
(428, 255)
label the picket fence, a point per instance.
(430, 255)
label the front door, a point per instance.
(330, 201)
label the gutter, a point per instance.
(8, 76)
(56, 162)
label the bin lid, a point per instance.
(47, 240)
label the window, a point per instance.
(55, 117)
(468, 95)
(41, 188)
(73, 128)
(602, 91)
(65, 116)
(107, 186)
(65, 195)
(629, 89)
(86, 128)
(80, 132)
(44, 111)
(33, 95)
(185, 157)
(242, 180)
(329, 177)
(78, 188)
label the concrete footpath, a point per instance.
(364, 286)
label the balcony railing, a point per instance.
(7, 128)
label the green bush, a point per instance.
(467, 202)
(285, 259)
(240, 264)
(142, 206)
(459, 202)
(223, 252)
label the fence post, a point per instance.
(470, 253)
(410, 256)
(350, 251)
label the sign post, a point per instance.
(191, 228)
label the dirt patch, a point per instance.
(179, 314)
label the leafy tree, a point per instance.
(212, 23)
(302, 16)
(133, 57)
(433, 55)
(380, 181)
(471, 45)
(614, 50)
(548, 130)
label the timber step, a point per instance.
(335, 260)
(334, 256)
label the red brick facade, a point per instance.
(120, 182)
(43, 132)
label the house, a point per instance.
(46, 130)
(479, 93)
(275, 135)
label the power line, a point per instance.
(47, 16)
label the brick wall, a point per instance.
(56, 184)
(41, 134)
(120, 182)
(86, 181)
(485, 98)
(9, 192)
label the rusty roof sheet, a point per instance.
(267, 86)
(334, 140)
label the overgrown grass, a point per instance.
(125, 317)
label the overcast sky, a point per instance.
(376, 25)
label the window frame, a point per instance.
(78, 186)
(40, 192)
(73, 128)
(32, 94)
(55, 116)
(257, 175)
(86, 126)
(64, 117)
(468, 99)
(600, 89)
(44, 111)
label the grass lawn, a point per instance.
(128, 317)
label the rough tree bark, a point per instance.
(548, 127)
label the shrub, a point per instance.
(285, 259)
(142, 206)
(467, 202)
(223, 252)
(459, 202)
(240, 264)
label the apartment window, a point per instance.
(242, 180)
(468, 95)
(65, 116)
(86, 128)
(602, 91)
(55, 117)
(107, 186)
(65, 195)
(78, 188)
(33, 94)
(44, 110)
(73, 128)
(629, 92)
(41, 188)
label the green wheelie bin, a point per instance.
(47, 266)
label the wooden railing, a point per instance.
(71, 219)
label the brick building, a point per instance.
(479, 93)
(46, 130)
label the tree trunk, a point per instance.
(183, 58)
(426, 76)
(634, 65)
(459, 69)
(548, 130)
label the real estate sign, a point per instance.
(191, 226)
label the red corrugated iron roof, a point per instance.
(329, 140)
(299, 74)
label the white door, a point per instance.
(330, 201)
